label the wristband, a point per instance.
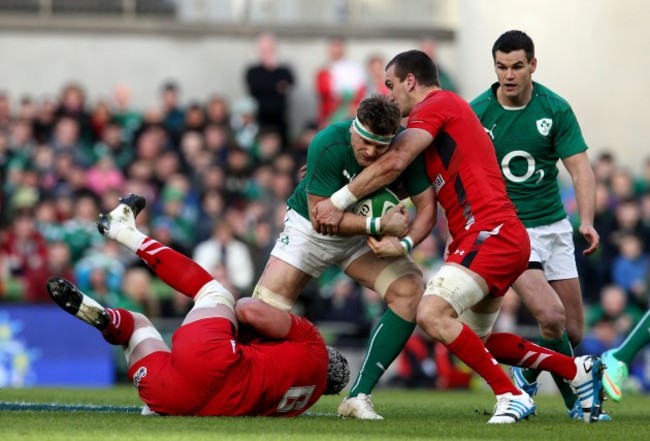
(343, 198)
(373, 225)
(407, 243)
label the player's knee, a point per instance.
(551, 321)
(140, 320)
(405, 292)
(432, 315)
(433, 326)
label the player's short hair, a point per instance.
(380, 115)
(514, 41)
(338, 372)
(417, 63)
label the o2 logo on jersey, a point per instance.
(530, 170)
(296, 398)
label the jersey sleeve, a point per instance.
(414, 178)
(300, 328)
(427, 115)
(325, 162)
(569, 140)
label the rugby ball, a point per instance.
(377, 203)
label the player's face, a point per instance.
(365, 152)
(514, 73)
(398, 91)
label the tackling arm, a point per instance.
(404, 148)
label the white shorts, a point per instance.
(552, 246)
(311, 252)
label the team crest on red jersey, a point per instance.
(139, 375)
(438, 183)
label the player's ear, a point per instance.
(533, 65)
(410, 82)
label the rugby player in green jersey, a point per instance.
(335, 157)
(532, 128)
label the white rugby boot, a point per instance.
(359, 407)
(511, 408)
(588, 386)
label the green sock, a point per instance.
(386, 342)
(637, 339)
(562, 346)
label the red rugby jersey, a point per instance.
(275, 377)
(461, 162)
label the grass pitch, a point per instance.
(108, 414)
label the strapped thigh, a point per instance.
(394, 271)
(457, 287)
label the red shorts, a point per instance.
(498, 251)
(181, 382)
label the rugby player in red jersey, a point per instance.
(278, 366)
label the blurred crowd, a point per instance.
(217, 173)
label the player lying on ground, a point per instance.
(277, 365)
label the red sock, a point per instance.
(516, 351)
(120, 328)
(471, 351)
(173, 268)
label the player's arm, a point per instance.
(264, 319)
(425, 217)
(405, 147)
(584, 184)
(394, 222)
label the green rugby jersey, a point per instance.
(331, 165)
(529, 141)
